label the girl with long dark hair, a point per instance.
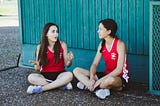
(51, 57)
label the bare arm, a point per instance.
(36, 62)
(95, 63)
(67, 56)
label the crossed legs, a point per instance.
(110, 82)
(62, 79)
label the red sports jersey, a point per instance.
(111, 58)
(51, 66)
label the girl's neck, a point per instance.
(109, 40)
(51, 44)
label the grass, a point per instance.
(8, 8)
(5, 10)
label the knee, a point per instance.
(31, 78)
(70, 76)
(107, 82)
(110, 80)
(76, 71)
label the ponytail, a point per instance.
(102, 44)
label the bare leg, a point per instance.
(63, 79)
(37, 79)
(111, 82)
(82, 75)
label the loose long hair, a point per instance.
(42, 56)
(109, 24)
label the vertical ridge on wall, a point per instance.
(92, 26)
(125, 22)
(52, 10)
(63, 20)
(68, 22)
(111, 9)
(36, 23)
(146, 27)
(139, 26)
(80, 24)
(118, 16)
(104, 9)
(132, 18)
(74, 24)
(98, 17)
(86, 24)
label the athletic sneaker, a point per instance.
(80, 85)
(34, 89)
(67, 87)
(102, 93)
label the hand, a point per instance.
(91, 86)
(70, 56)
(97, 83)
(33, 62)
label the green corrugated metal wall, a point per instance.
(78, 21)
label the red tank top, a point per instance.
(111, 58)
(51, 66)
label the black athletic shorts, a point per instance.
(50, 75)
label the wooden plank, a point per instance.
(31, 24)
(139, 27)
(47, 10)
(118, 17)
(58, 14)
(98, 18)
(68, 22)
(92, 25)
(63, 35)
(111, 9)
(26, 21)
(146, 27)
(37, 19)
(104, 9)
(74, 24)
(52, 10)
(125, 22)
(132, 27)
(41, 15)
(86, 24)
(80, 23)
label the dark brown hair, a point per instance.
(42, 57)
(109, 24)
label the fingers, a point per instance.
(33, 62)
(70, 55)
(91, 86)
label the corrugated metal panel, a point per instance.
(78, 21)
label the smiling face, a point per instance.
(52, 33)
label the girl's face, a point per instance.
(52, 34)
(102, 31)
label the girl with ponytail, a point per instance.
(113, 51)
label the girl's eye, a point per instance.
(53, 31)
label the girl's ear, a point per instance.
(108, 32)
